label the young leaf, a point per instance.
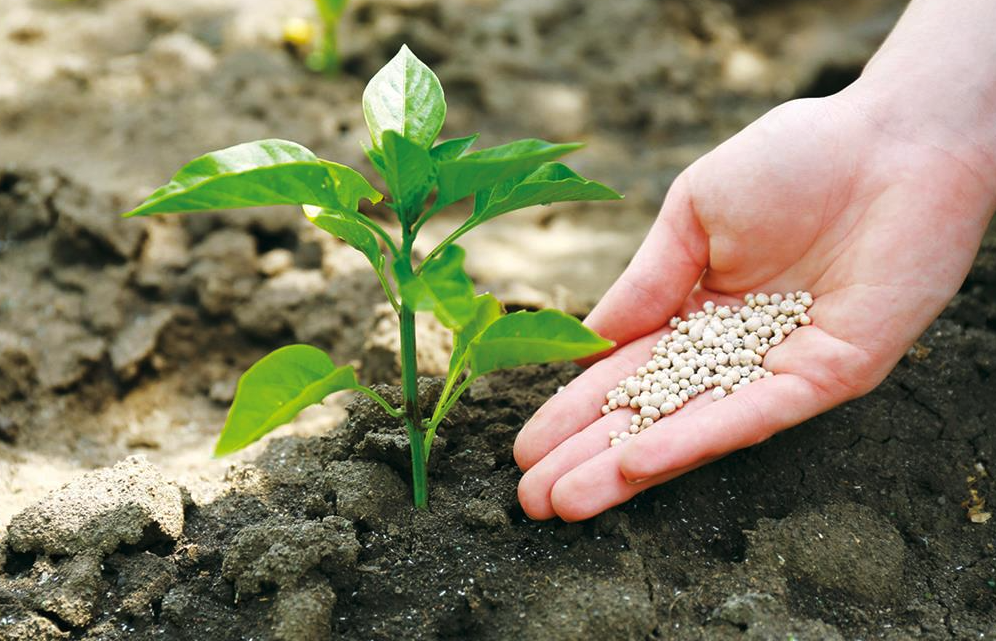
(353, 233)
(486, 168)
(525, 338)
(442, 287)
(406, 97)
(256, 174)
(410, 174)
(453, 148)
(486, 310)
(553, 182)
(274, 390)
(376, 158)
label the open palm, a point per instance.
(817, 196)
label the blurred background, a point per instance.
(128, 336)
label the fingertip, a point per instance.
(520, 450)
(567, 500)
(636, 464)
(536, 506)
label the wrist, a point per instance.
(933, 84)
(960, 124)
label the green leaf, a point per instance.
(376, 158)
(553, 182)
(442, 287)
(453, 148)
(406, 97)
(410, 174)
(256, 174)
(274, 390)
(486, 310)
(525, 338)
(486, 168)
(348, 230)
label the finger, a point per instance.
(804, 385)
(580, 403)
(596, 485)
(660, 275)
(537, 483)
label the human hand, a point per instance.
(880, 224)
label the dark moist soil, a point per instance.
(850, 526)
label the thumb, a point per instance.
(660, 276)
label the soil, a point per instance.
(121, 341)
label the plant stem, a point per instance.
(441, 412)
(409, 388)
(377, 229)
(387, 289)
(413, 420)
(392, 412)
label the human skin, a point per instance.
(875, 200)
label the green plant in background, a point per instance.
(325, 56)
(404, 109)
(324, 48)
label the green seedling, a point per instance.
(404, 109)
(325, 57)
(324, 46)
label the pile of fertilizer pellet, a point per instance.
(720, 348)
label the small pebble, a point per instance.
(719, 348)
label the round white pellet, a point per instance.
(649, 411)
(718, 393)
(615, 442)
